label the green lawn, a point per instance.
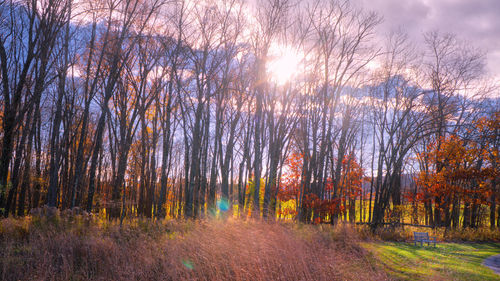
(448, 261)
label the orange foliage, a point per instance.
(290, 181)
(460, 167)
(352, 177)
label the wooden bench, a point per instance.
(423, 237)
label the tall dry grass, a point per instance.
(83, 249)
(405, 234)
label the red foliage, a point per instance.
(290, 181)
(459, 168)
(350, 185)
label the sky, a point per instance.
(476, 21)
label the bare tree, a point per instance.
(451, 70)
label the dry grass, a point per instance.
(405, 234)
(78, 248)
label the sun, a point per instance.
(284, 64)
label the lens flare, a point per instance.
(223, 204)
(188, 264)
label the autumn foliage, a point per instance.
(461, 171)
(335, 201)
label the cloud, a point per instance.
(476, 21)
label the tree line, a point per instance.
(161, 108)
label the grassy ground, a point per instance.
(75, 247)
(65, 248)
(448, 261)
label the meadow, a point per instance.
(447, 261)
(76, 247)
(79, 249)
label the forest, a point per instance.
(276, 110)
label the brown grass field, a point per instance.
(81, 247)
(78, 249)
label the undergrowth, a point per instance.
(86, 248)
(405, 234)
